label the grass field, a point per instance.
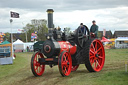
(113, 72)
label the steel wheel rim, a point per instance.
(39, 68)
(66, 63)
(97, 55)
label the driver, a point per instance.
(82, 27)
(94, 29)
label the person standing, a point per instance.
(94, 29)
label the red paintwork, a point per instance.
(66, 46)
(65, 67)
(97, 63)
(39, 68)
(105, 40)
(74, 68)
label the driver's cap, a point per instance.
(81, 23)
(93, 21)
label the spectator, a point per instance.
(27, 49)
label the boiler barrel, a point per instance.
(54, 48)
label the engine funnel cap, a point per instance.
(50, 10)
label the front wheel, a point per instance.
(36, 67)
(95, 55)
(65, 63)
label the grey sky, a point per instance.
(62, 5)
(109, 14)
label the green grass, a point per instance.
(113, 72)
(18, 64)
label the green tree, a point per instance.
(42, 30)
(29, 29)
(7, 36)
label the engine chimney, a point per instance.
(50, 20)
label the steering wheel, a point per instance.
(82, 37)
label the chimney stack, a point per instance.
(50, 20)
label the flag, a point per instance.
(14, 15)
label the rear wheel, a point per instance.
(65, 63)
(36, 67)
(95, 55)
(74, 68)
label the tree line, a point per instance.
(29, 29)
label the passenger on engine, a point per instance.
(82, 27)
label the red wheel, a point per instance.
(74, 68)
(96, 56)
(65, 63)
(36, 67)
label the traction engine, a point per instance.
(68, 52)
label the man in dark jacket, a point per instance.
(82, 28)
(94, 29)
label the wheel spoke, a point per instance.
(36, 67)
(65, 69)
(93, 47)
(63, 63)
(100, 57)
(80, 37)
(92, 51)
(96, 46)
(99, 49)
(82, 42)
(92, 56)
(97, 63)
(92, 61)
(35, 61)
(65, 58)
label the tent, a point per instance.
(121, 42)
(5, 42)
(18, 42)
(18, 45)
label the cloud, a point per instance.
(62, 5)
(109, 14)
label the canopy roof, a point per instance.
(5, 42)
(18, 42)
(122, 39)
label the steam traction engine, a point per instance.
(68, 51)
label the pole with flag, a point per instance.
(13, 15)
(11, 37)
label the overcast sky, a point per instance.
(109, 14)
